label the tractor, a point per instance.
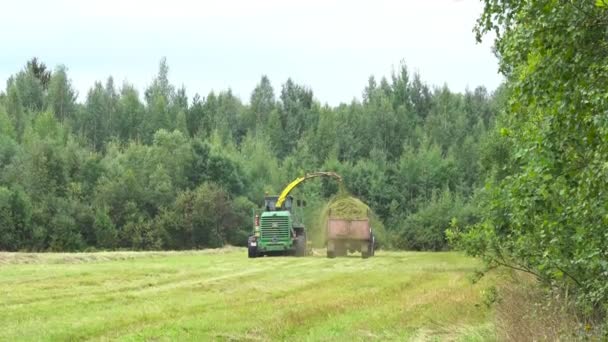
(278, 228)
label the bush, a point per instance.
(425, 229)
(205, 217)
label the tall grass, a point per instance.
(527, 312)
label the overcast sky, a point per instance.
(332, 46)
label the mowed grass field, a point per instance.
(221, 295)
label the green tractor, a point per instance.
(278, 229)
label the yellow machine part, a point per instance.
(299, 180)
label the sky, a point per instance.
(330, 46)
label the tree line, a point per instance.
(161, 170)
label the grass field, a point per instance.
(222, 295)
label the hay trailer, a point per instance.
(345, 235)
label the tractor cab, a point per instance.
(270, 203)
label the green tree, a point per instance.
(548, 215)
(30, 89)
(296, 113)
(401, 88)
(446, 123)
(130, 115)
(424, 230)
(421, 98)
(159, 98)
(262, 103)
(96, 124)
(324, 142)
(64, 233)
(105, 231)
(6, 125)
(8, 234)
(195, 116)
(61, 97)
(201, 218)
(207, 165)
(15, 110)
(229, 111)
(15, 219)
(40, 71)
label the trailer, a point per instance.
(344, 236)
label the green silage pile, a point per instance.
(341, 206)
(346, 207)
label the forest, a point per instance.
(116, 169)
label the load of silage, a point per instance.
(341, 206)
(347, 208)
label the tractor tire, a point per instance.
(331, 254)
(301, 245)
(252, 251)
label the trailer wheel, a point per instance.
(372, 246)
(367, 252)
(301, 246)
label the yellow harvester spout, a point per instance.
(299, 180)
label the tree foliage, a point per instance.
(166, 171)
(545, 208)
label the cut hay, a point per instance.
(11, 258)
(347, 208)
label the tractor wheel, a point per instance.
(301, 245)
(331, 254)
(252, 251)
